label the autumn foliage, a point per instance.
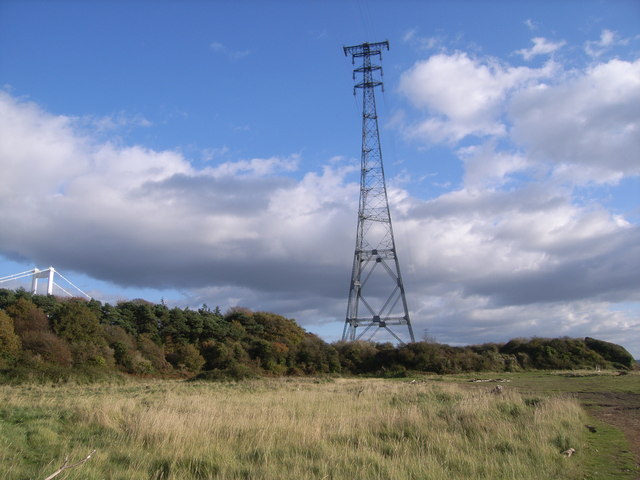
(41, 333)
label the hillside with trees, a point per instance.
(50, 338)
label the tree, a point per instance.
(10, 344)
(139, 316)
(217, 355)
(153, 352)
(357, 357)
(47, 303)
(213, 325)
(186, 357)
(77, 323)
(27, 317)
(313, 356)
(174, 327)
(7, 297)
(48, 347)
(611, 352)
(123, 345)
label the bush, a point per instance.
(611, 352)
(48, 347)
(153, 352)
(77, 323)
(357, 357)
(27, 317)
(10, 344)
(186, 357)
(234, 372)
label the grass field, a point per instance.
(284, 428)
(610, 399)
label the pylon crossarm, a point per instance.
(394, 320)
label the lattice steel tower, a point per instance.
(376, 295)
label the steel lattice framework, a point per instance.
(376, 295)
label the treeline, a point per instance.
(49, 336)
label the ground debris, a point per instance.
(497, 389)
(483, 380)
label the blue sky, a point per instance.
(207, 152)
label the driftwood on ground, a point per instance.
(65, 465)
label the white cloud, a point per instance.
(541, 46)
(228, 52)
(454, 312)
(501, 256)
(255, 166)
(110, 123)
(135, 216)
(209, 154)
(422, 43)
(524, 262)
(587, 126)
(486, 168)
(608, 39)
(465, 96)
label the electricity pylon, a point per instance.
(376, 295)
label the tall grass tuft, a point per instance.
(280, 429)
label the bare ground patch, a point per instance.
(622, 410)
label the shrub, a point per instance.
(153, 352)
(357, 357)
(77, 323)
(27, 317)
(186, 357)
(217, 355)
(236, 371)
(611, 352)
(10, 344)
(313, 356)
(47, 346)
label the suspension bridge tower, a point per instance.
(376, 294)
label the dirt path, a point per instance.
(622, 410)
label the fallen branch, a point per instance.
(66, 465)
(482, 380)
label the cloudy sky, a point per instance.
(208, 152)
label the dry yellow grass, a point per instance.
(303, 429)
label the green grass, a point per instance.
(549, 382)
(281, 429)
(606, 454)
